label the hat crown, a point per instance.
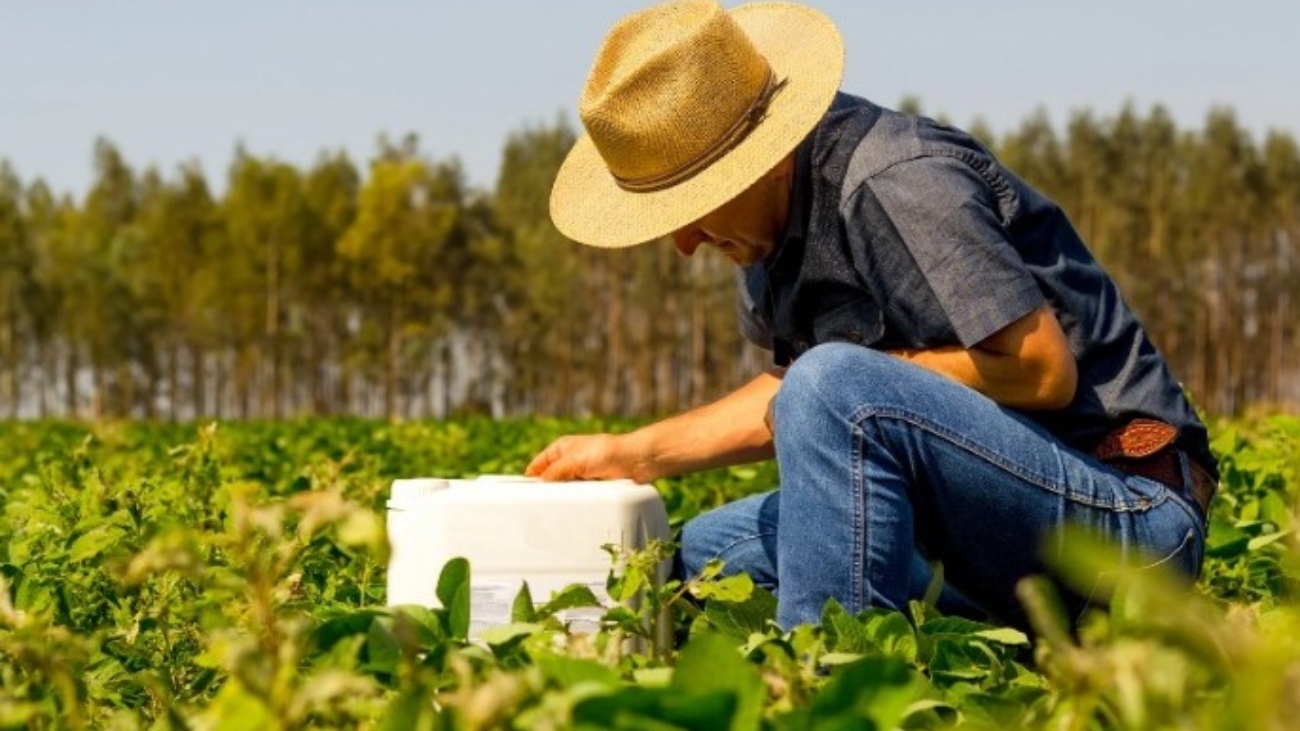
(670, 87)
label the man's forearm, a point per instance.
(1027, 365)
(728, 431)
(997, 376)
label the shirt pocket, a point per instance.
(857, 321)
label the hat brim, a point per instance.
(803, 47)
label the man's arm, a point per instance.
(726, 432)
(1026, 365)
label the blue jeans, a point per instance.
(885, 466)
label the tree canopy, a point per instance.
(401, 291)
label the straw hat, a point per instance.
(686, 106)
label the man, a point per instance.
(954, 379)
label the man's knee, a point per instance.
(696, 547)
(818, 379)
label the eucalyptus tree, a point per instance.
(1281, 173)
(410, 220)
(331, 188)
(550, 308)
(51, 225)
(265, 215)
(16, 289)
(101, 311)
(1224, 202)
(176, 283)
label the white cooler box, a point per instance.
(514, 529)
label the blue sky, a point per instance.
(176, 81)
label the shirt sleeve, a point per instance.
(943, 216)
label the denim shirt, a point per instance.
(905, 233)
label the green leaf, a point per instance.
(743, 473)
(623, 618)
(458, 614)
(348, 624)
(878, 689)
(891, 633)
(839, 658)
(362, 528)
(506, 633)
(712, 568)
(951, 662)
(956, 626)
(453, 577)
(1003, 636)
(740, 620)
(706, 710)
(626, 587)
(236, 709)
(710, 662)
(1259, 542)
(638, 708)
(568, 671)
(522, 610)
(93, 542)
(625, 703)
(572, 596)
(844, 633)
(421, 624)
(1004, 710)
(14, 714)
(1276, 511)
(35, 597)
(383, 650)
(956, 660)
(411, 711)
(454, 593)
(653, 677)
(734, 588)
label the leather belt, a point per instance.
(1145, 447)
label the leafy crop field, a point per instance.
(231, 576)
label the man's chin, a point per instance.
(739, 257)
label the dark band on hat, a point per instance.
(749, 119)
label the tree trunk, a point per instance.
(394, 351)
(9, 362)
(198, 382)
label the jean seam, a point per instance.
(857, 577)
(744, 539)
(1189, 539)
(958, 440)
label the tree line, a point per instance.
(400, 291)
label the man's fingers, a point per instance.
(557, 472)
(551, 464)
(543, 461)
(536, 467)
(575, 458)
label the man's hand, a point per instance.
(588, 457)
(726, 432)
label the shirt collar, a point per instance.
(796, 225)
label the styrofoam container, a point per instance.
(514, 529)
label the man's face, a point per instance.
(745, 229)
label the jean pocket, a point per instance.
(1182, 564)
